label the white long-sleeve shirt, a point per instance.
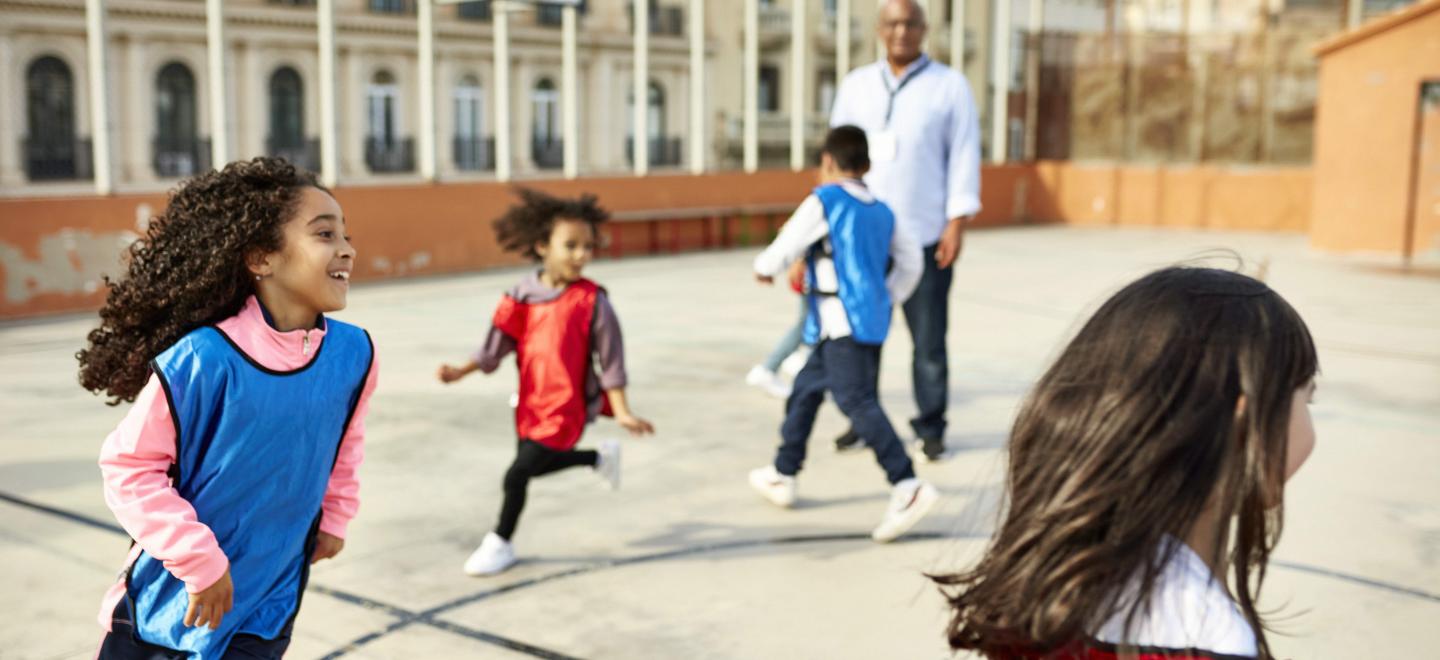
(925, 156)
(806, 227)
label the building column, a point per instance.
(696, 142)
(252, 123)
(221, 131)
(569, 93)
(137, 118)
(327, 81)
(751, 144)
(12, 118)
(1000, 104)
(426, 55)
(799, 48)
(599, 113)
(354, 125)
(98, 38)
(640, 76)
(500, 30)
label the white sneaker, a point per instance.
(792, 365)
(910, 500)
(493, 556)
(769, 381)
(773, 486)
(608, 467)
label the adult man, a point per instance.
(924, 136)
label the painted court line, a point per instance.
(406, 618)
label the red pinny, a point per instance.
(552, 346)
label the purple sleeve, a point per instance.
(497, 346)
(609, 346)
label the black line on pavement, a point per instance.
(406, 618)
(68, 515)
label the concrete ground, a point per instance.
(686, 562)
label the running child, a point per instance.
(235, 469)
(1146, 477)
(559, 325)
(849, 240)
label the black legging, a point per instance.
(533, 459)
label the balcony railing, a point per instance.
(301, 153)
(774, 128)
(183, 157)
(385, 156)
(774, 20)
(476, 10)
(664, 21)
(56, 160)
(664, 151)
(474, 154)
(549, 155)
(391, 7)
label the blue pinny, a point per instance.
(254, 451)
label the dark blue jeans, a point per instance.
(122, 644)
(850, 372)
(927, 314)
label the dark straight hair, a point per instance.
(849, 147)
(1135, 430)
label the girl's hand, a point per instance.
(635, 425)
(449, 374)
(327, 546)
(209, 606)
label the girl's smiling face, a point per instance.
(310, 274)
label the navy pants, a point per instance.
(927, 314)
(121, 644)
(850, 372)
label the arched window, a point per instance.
(51, 151)
(385, 150)
(177, 147)
(383, 108)
(548, 149)
(662, 151)
(471, 149)
(287, 111)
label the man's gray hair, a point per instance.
(916, 4)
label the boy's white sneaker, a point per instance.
(773, 486)
(608, 466)
(493, 556)
(910, 500)
(792, 365)
(769, 381)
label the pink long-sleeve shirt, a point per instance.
(137, 455)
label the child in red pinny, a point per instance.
(560, 327)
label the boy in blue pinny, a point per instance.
(860, 264)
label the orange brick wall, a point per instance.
(53, 250)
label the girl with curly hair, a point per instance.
(558, 324)
(1146, 478)
(236, 466)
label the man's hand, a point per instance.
(208, 607)
(951, 242)
(764, 279)
(327, 546)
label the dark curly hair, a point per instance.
(532, 220)
(189, 270)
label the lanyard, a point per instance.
(890, 105)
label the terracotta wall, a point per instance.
(53, 251)
(1210, 197)
(1365, 133)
